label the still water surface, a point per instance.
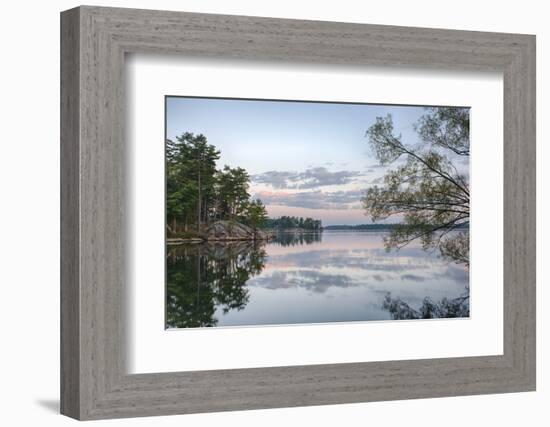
(334, 276)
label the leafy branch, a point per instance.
(425, 189)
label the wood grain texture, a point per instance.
(94, 271)
(70, 259)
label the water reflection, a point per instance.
(204, 277)
(446, 308)
(293, 239)
(308, 278)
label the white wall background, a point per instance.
(29, 213)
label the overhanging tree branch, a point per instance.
(428, 190)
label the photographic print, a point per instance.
(296, 212)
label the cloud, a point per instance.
(413, 277)
(319, 177)
(313, 199)
(277, 179)
(313, 177)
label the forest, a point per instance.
(198, 193)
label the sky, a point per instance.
(304, 158)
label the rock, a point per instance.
(263, 235)
(181, 240)
(221, 250)
(231, 230)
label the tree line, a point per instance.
(198, 193)
(293, 222)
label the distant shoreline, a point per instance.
(370, 227)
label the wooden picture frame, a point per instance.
(94, 41)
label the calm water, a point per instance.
(334, 276)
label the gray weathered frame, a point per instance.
(94, 41)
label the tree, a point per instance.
(425, 188)
(232, 186)
(291, 222)
(191, 168)
(203, 156)
(181, 189)
(256, 214)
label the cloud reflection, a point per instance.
(312, 280)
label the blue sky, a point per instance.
(305, 159)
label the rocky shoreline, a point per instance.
(224, 231)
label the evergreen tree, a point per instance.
(232, 186)
(256, 214)
(191, 167)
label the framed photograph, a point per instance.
(301, 230)
(262, 213)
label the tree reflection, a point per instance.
(298, 238)
(204, 277)
(446, 308)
